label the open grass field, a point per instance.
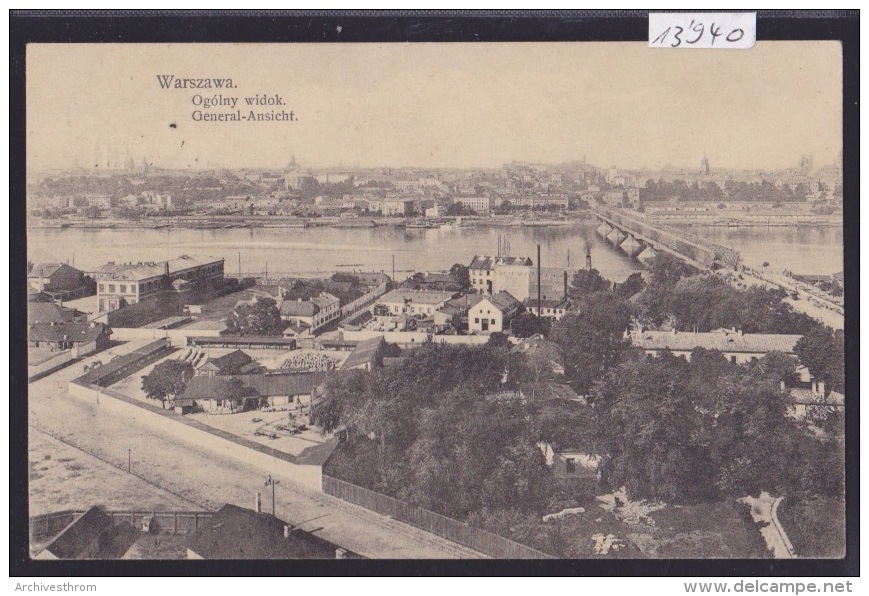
(63, 477)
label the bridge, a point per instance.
(642, 239)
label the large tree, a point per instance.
(527, 324)
(588, 281)
(260, 318)
(592, 340)
(679, 431)
(822, 351)
(461, 274)
(634, 284)
(167, 379)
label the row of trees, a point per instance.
(678, 296)
(710, 191)
(706, 429)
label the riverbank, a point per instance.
(215, 222)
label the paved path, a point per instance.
(189, 470)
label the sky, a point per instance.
(439, 105)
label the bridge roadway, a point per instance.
(634, 235)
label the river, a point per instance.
(323, 249)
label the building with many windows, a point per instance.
(410, 303)
(120, 284)
(490, 275)
(478, 204)
(310, 315)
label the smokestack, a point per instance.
(166, 268)
(258, 503)
(538, 282)
(565, 285)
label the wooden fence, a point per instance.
(480, 540)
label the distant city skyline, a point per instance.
(439, 106)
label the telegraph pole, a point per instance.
(272, 482)
(539, 311)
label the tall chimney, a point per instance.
(258, 503)
(539, 311)
(166, 268)
(565, 285)
(588, 259)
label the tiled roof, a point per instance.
(282, 383)
(70, 332)
(132, 271)
(147, 270)
(723, 341)
(213, 388)
(296, 308)
(48, 312)
(488, 263)
(325, 299)
(230, 363)
(415, 297)
(237, 533)
(47, 269)
(365, 352)
(76, 537)
(504, 300)
(186, 262)
(467, 301)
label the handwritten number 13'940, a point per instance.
(695, 32)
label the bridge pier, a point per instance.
(616, 237)
(603, 229)
(631, 246)
(647, 254)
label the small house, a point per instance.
(493, 313)
(219, 395)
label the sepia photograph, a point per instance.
(540, 300)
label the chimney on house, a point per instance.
(588, 258)
(287, 530)
(258, 502)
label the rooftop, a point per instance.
(488, 263)
(93, 536)
(47, 269)
(504, 300)
(237, 533)
(266, 385)
(148, 269)
(48, 312)
(215, 388)
(365, 352)
(68, 332)
(230, 363)
(416, 297)
(298, 308)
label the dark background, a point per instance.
(404, 26)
